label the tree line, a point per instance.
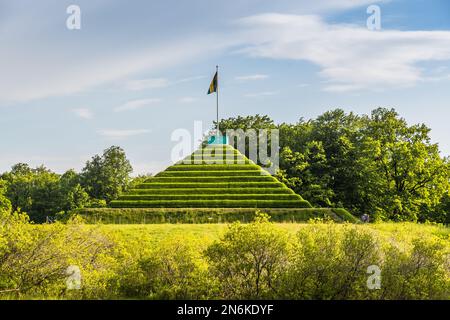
(373, 164)
(44, 194)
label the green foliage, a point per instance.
(344, 215)
(407, 172)
(339, 271)
(42, 193)
(230, 190)
(248, 122)
(212, 167)
(375, 164)
(256, 260)
(249, 260)
(5, 204)
(213, 179)
(176, 270)
(210, 188)
(45, 195)
(105, 177)
(201, 215)
(196, 185)
(35, 260)
(225, 203)
(418, 273)
(208, 173)
(72, 193)
(218, 195)
(138, 180)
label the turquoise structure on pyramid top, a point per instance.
(218, 139)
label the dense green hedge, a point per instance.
(211, 204)
(216, 157)
(215, 162)
(219, 195)
(258, 178)
(212, 167)
(227, 173)
(344, 215)
(217, 154)
(212, 191)
(200, 215)
(211, 185)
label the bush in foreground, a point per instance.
(256, 260)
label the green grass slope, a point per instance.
(207, 215)
(216, 176)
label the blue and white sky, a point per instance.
(138, 70)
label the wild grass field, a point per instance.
(257, 260)
(399, 232)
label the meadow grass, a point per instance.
(398, 232)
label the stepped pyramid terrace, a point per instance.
(215, 176)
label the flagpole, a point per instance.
(217, 101)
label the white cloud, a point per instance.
(136, 104)
(117, 134)
(350, 57)
(83, 113)
(189, 79)
(187, 99)
(261, 94)
(138, 85)
(252, 77)
(327, 5)
(154, 83)
(32, 71)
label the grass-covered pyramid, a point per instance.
(215, 176)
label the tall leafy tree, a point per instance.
(19, 186)
(34, 191)
(375, 164)
(405, 168)
(73, 195)
(105, 177)
(42, 193)
(247, 122)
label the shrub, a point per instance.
(258, 260)
(422, 272)
(34, 261)
(331, 263)
(198, 215)
(249, 260)
(176, 270)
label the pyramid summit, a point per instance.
(215, 176)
